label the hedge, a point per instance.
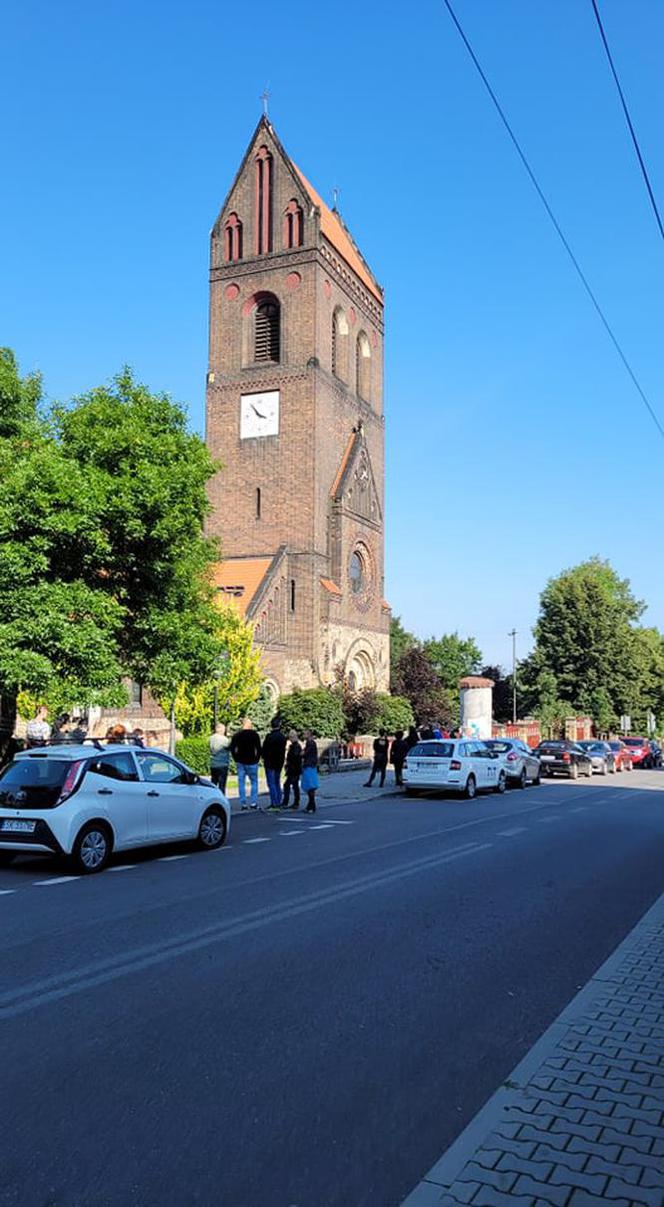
(319, 709)
(195, 752)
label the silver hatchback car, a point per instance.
(521, 764)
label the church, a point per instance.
(294, 414)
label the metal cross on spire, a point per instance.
(265, 97)
(335, 197)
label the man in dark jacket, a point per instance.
(246, 750)
(274, 753)
(293, 771)
(398, 756)
(380, 751)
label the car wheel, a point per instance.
(602, 769)
(212, 830)
(92, 849)
(6, 857)
(612, 769)
(522, 781)
(470, 791)
(538, 779)
(502, 783)
(574, 771)
(589, 772)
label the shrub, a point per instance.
(195, 752)
(392, 713)
(317, 708)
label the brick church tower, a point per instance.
(295, 415)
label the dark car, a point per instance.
(564, 758)
(655, 754)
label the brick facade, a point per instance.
(321, 478)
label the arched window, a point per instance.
(267, 342)
(258, 502)
(363, 367)
(293, 225)
(233, 238)
(263, 201)
(340, 344)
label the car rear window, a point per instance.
(634, 741)
(501, 747)
(38, 778)
(432, 750)
(552, 746)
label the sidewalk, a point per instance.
(337, 788)
(579, 1121)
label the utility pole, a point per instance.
(512, 634)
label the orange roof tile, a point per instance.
(344, 462)
(335, 232)
(238, 579)
(330, 586)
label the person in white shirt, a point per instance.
(38, 729)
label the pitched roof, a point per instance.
(239, 578)
(330, 586)
(348, 451)
(337, 233)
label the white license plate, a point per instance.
(548, 758)
(19, 827)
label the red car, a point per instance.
(622, 756)
(639, 748)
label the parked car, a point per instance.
(655, 754)
(601, 756)
(565, 758)
(521, 763)
(622, 756)
(639, 749)
(85, 802)
(454, 765)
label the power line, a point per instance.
(536, 185)
(628, 118)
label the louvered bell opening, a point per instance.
(267, 332)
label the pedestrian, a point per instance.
(293, 771)
(119, 734)
(427, 732)
(381, 748)
(398, 756)
(220, 756)
(274, 753)
(246, 750)
(79, 731)
(137, 737)
(413, 737)
(437, 731)
(38, 730)
(62, 728)
(310, 770)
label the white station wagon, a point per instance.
(90, 800)
(454, 765)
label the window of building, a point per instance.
(340, 344)
(135, 693)
(263, 201)
(233, 238)
(266, 331)
(258, 502)
(293, 225)
(363, 367)
(292, 595)
(356, 572)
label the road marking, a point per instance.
(332, 821)
(322, 826)
(250, 840)
(287, 833)
(7, 892)
(511, 833)
(123, 867)
(171, 858)
(57, 880)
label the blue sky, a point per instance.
(516, 445)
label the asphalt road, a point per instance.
(308, 1017)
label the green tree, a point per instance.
(549, 709)
(416, 679)
(393, 713)
(319, 709)
(236, 679)
(453, 657)
(400, 641)
(502, 692)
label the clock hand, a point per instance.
(257, 412)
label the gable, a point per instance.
(354, 489)
(286, 182)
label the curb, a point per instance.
(446, 1170)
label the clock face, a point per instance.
(259, 414)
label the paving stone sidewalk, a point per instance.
(336, 788)
(580, 1121)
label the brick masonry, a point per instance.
(309, 536)
(581, 1120)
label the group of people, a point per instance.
(281, 753)
(396, 751)
(72, 729)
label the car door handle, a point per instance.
(153, 793)
(104, 791)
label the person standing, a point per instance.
(412, 737)
(310, 770)
(246, 750)
(381, 748)
(274, 753)
(293, 771)
(398, 756)
(220, 757)
(38, 730)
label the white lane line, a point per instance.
(511, 833)
(331, 821)
(57, 880)
(171, 858)
(543, 821)
(287, 833)
(247, 841)
(123, 867)
(7, 892)
(322, 826)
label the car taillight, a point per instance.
(567, 758)
(71, 780)
(512, 757)
(455, 765)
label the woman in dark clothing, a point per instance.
(310, 770)
(398, 756)
(293, 771)
(413, 737)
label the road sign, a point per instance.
(625, 724)
(650, 722)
